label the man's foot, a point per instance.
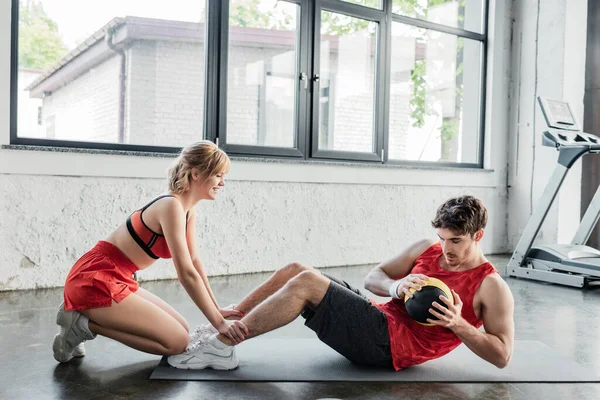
(207, 352)
(201, 331)
(68, 343)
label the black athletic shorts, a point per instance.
(351, 325)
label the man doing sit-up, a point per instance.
(384, 334)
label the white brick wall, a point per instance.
(86, 108)
(27, 122)
(353, 92)
(400, 91)
(243, 92)
(281, 222)
(248, 66)
(165, 93)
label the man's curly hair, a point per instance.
(462, 215)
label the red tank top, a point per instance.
(412, 343)
(154, 244)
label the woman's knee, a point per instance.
(183, 323)
(176, 342)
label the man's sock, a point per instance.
(216, 342)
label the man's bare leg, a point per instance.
(271, 285)
(285, 305)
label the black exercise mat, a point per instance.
(309, 360)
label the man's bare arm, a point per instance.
(378, 281)
(495, 345)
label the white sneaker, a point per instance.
(68, 343)
(79, 350)
(201, 331)
(203, 354)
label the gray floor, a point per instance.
(563, 318)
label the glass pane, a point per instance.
(435, 96)
(262, 75)
(146, 87)
(367, 3)
(347, 83)
(463, 14)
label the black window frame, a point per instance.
(300, 113)
(366, 13)
(14, 93)
(306, 115)
(480, 37)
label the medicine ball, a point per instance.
(418, 306)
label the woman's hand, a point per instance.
(236, 331)
(231, 313)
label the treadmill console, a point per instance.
(558, 114)
(565, 131)
(558, 138)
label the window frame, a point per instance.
(14, 98)
(302, 40)
(482, 39)
(365, 13)
(306, 115)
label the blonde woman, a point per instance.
(102, 298)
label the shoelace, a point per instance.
(198, 344)
(200, 330)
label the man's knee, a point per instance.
(293, 269)
(306, 281)
(309, 285)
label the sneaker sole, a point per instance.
(58, 349)
(220, 367)
(65, 322)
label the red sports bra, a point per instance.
(154, 244)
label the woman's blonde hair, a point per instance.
(205, 156)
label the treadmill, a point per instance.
(573, 264)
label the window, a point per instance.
(434, 108)
(347, 75)
(261, 73)
(377, 81)
(111, 72)
(367, 3)
(462, 14)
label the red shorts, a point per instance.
(100, 276)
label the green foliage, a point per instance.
(449, 128)
(418, 107)
(366, 3)
(339, 24)
(247, 13)
(417, 104)
(417, 8)
(40, 45)
(411, 8)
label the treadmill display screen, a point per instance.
(560, 112)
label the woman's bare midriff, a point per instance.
(121, 238)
